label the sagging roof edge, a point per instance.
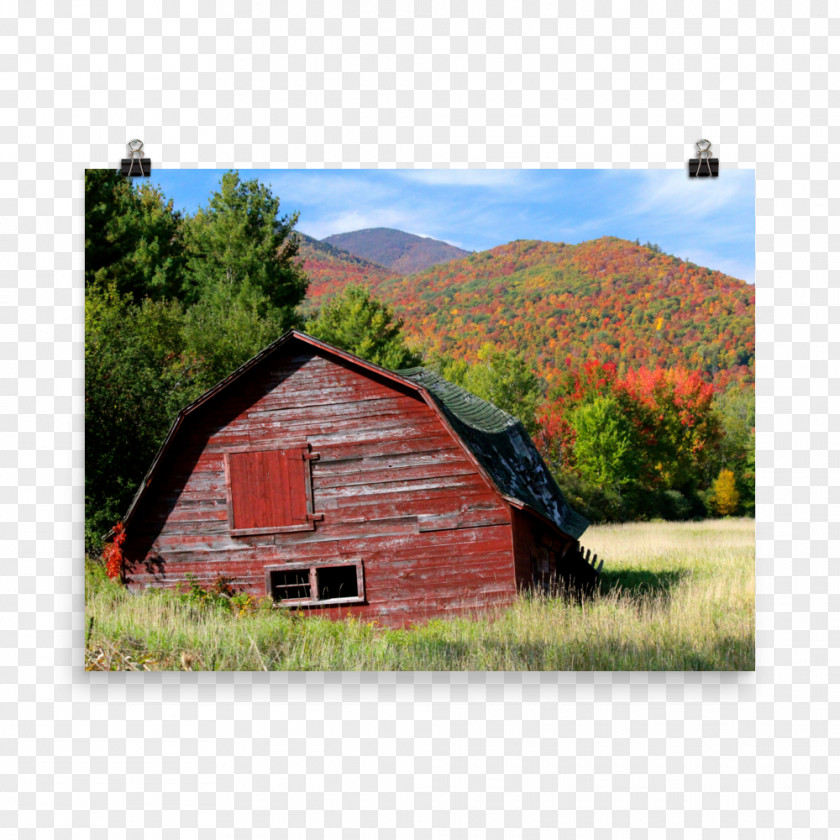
(427, 397)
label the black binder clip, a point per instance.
(704, 165)
(135, 164)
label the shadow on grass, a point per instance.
(641, 582)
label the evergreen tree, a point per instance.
(133, 238)
(363, 325)
(238, 252)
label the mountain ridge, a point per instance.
(606, 298)
(396, 250)
(330, 269)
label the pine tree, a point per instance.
(133, 242)
(239, 253)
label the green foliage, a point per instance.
(505, 379)
(160, 329)
(736, 409)
(635, 502)
(137, 376)
(238, 251)
(501, 377)
(635, 446)
(746, 483)
(133, 238)
(606, 448)
(220, 338)
(359, 323)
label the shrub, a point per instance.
(676, 505)
(216, 597)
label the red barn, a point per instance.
(338, 487)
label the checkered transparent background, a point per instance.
(387, 755)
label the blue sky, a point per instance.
(710, 222)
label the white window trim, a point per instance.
(313, 582)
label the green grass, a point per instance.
(674, 596)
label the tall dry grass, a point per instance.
(674, 596)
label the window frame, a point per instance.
(313, 567)
(308, 457)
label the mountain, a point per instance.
(608, 299)
(330, 269)
(402, 253)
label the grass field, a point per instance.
(674, 597)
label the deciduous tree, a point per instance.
(725, 493)
(606, 447)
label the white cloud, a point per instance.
(670, 192)
(486, 178)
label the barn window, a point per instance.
(270, 490)
(337, 582)
(316, 585)
(291, 585)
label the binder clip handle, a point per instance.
(704, 156)
(135, 156)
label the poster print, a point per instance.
(420, 419)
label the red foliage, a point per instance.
(329, 271)
(607, 299)
(671, 410)
(113, 555)
(570, 387)
(676, 395)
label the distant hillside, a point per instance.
(608, 299)
(402, 253)
(330, 269)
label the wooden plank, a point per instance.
(462, 519)
(323, 480)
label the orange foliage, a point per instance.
(607, 299)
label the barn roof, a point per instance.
(503, 448)
(499, 443)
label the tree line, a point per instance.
(175, 302)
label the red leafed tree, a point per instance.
(676, 420)
(571, 386)
(676, 429)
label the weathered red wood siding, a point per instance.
(397, 492)
(536, 548)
